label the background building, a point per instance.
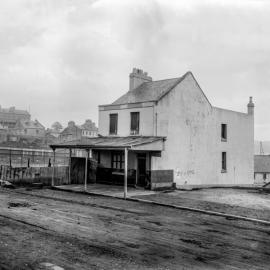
(10, 116)
(76, 132)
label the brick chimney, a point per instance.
(250, 106)
(137, 77)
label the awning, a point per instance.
(135, 143)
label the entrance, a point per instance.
(141, 178)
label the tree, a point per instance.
(57, 126)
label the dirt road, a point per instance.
(76, 231)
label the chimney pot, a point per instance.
(250, 106)
(137, 77)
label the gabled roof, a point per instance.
(149, 91)
(70, 130)
(23, 123)
(262, 163)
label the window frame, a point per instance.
(224, 132)
(223, 162)
(135, 131)
(113, 132)
(117, 160)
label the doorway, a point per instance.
(141, 177)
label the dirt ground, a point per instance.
(242, 202)
(46, 229)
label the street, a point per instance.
(75, 231)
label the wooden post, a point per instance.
(86, 169)
(126, 173)
(69, 167)
(53, 167)
(10, 163)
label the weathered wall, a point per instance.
(258, 178)
(146, 121)
(24, 175)
(193, 146)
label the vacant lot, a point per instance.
(243, 202)
(76, 231)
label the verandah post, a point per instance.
(69, 166)
(53, 171)
(126, 173)
(86, 169)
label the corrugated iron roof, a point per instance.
(262, 163)
(149, 91)
(109, 142)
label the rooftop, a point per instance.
(109, 142)
(149, 91)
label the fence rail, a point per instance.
(21, 157)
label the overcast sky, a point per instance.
(62, 58)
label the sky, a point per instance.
(61, 59)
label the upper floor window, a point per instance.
(134, 123)
(224, 132)
(113, 123)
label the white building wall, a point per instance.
(193, 146)
(146, 121)
(193, 129)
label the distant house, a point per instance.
(53, 132)
(3, 133)
(28, 128)
(10, 116)
(75, 132)
(70, 133)
(261, 169)
(89, 129)
(166, 131)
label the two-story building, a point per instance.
(77, 132)
(164, 132)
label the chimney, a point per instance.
(71, 124)
(250, 106)
(137, 77)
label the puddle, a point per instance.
(51, 266)
(18, 204)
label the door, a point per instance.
(141, 178)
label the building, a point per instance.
(28, 128)
(166, 131)
(75, 132)
(261, 169)
(3, 134)
(89, 129)
(10, 116)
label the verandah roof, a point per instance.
(147, 143)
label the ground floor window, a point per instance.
(118, 160)
(224, 162)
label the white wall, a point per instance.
(146, 121)
(193, 146)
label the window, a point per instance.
(113, 123)
(224, 162)
(134, 123)
(118, 160)
(224, 132)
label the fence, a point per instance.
(25, 175)
(16, 157)
(25, 166)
